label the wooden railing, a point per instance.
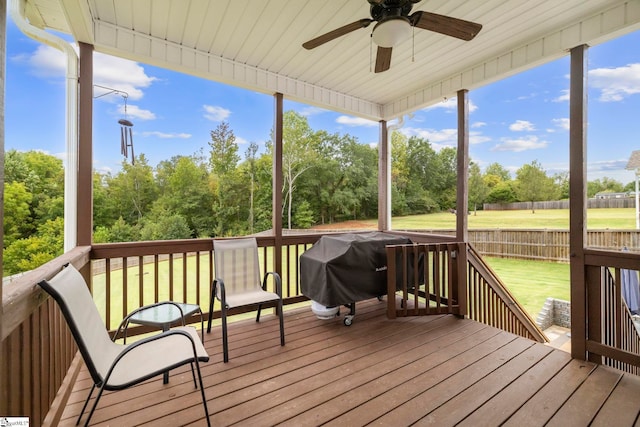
(490, 302)
(37, 348)
(452, 278)
(38, 352)
(611, 337)
(128, 275)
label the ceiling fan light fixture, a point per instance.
(391, 31)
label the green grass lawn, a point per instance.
(619, 219)
(532, 282)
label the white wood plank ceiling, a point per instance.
(256, 44)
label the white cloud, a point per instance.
(355, 121)
(437, 138)
(520, 144)
(165, 135)
(563, 97)
(311, 111)
(607, 165)
(451, 104)
(521, 126)
(133, 111)
(241, 141)
(478, 124)
(215, 113)
(120, 74)
(478, 138)
(562, 123)
(109, 71)
(615, 84)
(443, 137)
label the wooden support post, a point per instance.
(384, 179)
(277, 182)
(85, 146)
(3, 56)
(578, 201)
(462, 204)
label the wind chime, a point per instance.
(126, 135)
(126, 131)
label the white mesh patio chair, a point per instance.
(116, 366)
(237, 283)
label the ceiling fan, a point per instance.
(393, 25)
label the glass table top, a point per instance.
(164, 314)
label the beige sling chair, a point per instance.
(116, 366)
(237, 283)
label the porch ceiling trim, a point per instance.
(122, 42)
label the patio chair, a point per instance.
(116, 366)
(237, 283)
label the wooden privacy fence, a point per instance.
(452, 278)
(612, 203)
(547, 245)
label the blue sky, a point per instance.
(513, 122)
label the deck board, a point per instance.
(436, 370)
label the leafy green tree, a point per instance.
(502, 192)
(121, 231)
(478, 189)
(400, 173)
(604, 185)
(534, 185)
(169, 227)
(17, 217)
(224, 151)
(185, 191)
(250, 170)
(298, 155)
(31, 252)
(497, 170)
(562, 182)
(133, 190)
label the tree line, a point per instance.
(327, 178)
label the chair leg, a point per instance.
(204, 399)
(93, 387)
(193, 374)
(281, 312)
(95, 404)
(213, 296)
(258, 315)
(225, 341)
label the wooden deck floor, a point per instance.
(436, 370)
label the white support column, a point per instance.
(71, 167)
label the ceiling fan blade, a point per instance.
(383, 59)
(346, 29)
(446, 25)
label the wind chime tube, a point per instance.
(133, 156)
(126, 138)
(123, 143)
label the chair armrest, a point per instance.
(276, 278)
(223, 292)
(138, 345)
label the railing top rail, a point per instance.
(621, 259)
(22, 296)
